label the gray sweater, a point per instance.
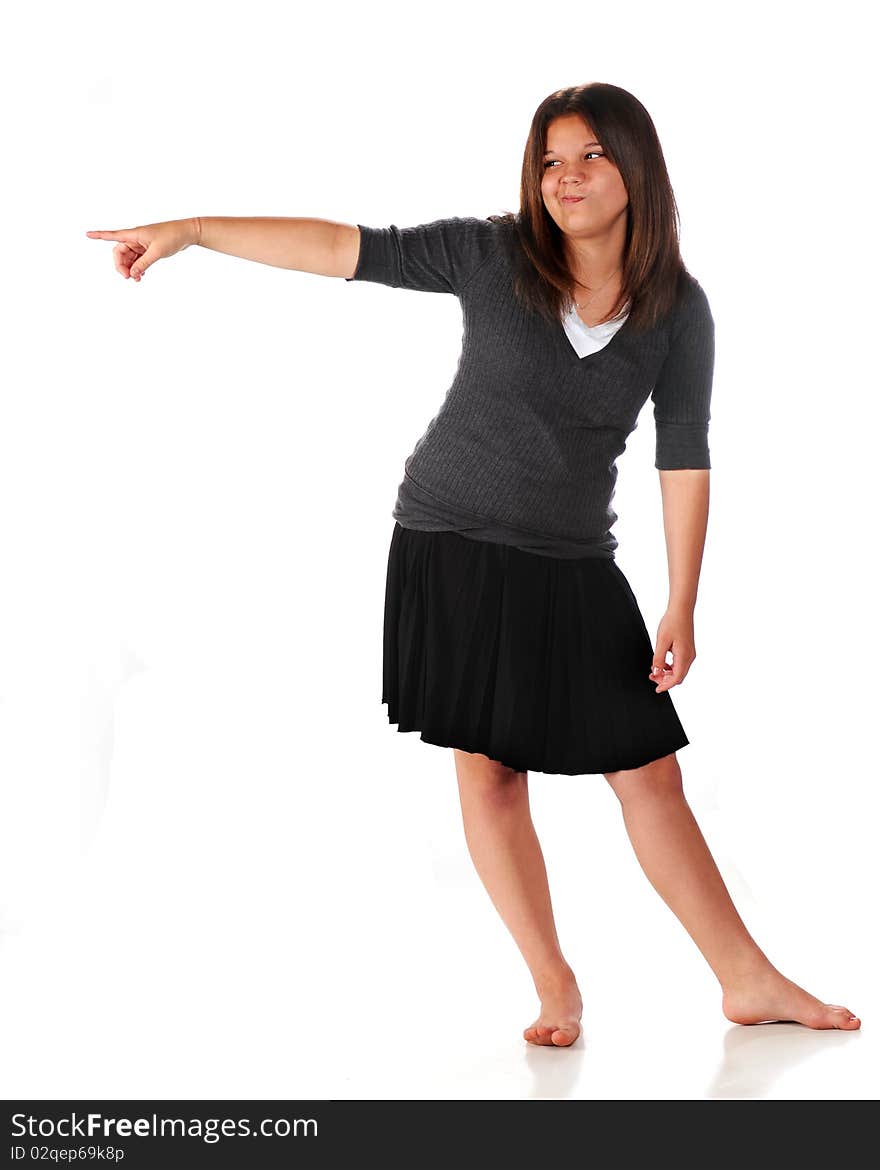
(523, 449)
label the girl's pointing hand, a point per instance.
(139, 247)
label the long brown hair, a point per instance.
(653, 271)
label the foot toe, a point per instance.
(564, 1036)
(539, 1034)
(841, 1017)
(829, 1015)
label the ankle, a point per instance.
(746, 973)
(553, 979)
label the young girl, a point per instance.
(511, 635)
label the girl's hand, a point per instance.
(676, 633)
(139, 247)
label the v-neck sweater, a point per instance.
(523, 450)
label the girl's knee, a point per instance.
(661, 777)
(480, 776)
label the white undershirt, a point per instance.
(589, 338)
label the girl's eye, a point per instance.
(551, 161)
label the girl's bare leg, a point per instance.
(676, 859)
(504, 847)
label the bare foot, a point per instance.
(559, 1023)
(770, 997)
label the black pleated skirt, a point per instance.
(535, 661)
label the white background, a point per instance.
(222, 873)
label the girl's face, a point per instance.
(575, 165)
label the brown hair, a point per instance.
(653, 271)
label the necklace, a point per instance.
(598, 290)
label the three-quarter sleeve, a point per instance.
(439, 257)
(683, 391)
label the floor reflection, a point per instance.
(555, 1070)
(757, 1056)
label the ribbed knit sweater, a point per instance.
(523, 449)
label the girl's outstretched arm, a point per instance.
(320, 246)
